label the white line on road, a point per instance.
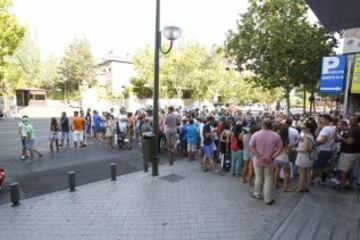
(39, 130)
(15, 123)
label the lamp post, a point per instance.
(171, 33)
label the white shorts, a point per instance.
(78, 136)
(54, 136)
(191, 147)
(346, 161)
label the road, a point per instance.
(49, 174)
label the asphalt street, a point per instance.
(49, 173)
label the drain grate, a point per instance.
(173, 178)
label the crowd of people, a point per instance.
(109, 128)
(266, 150)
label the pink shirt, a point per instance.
(265, 142)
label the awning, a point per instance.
(336, 15)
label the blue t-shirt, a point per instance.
(97, 120)
(192, 134)
(183, 132)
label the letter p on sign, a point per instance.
(330, 63)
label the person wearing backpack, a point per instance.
(305, 154)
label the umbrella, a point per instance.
(336, 15)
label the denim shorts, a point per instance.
(322, 160)
(248, 156)
(30, 144)
(209, 151)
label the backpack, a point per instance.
(226, 162)
(313, 150)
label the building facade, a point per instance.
(114, 74)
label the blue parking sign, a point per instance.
(333, 74)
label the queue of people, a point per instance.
(107, 128)
(268, 150)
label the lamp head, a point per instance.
(172, 32)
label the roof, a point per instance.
(30, 89)
(114, 59)
(336, 15)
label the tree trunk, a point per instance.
(304, 102)
(312, 99)
(331, 105)
(287, 97)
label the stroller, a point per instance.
(2, 176)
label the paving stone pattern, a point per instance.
(198, 205)
(323, 214)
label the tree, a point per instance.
(11, 34)
(141, 89)
(192, 69)
(24, 66)
(50, 77)
(77, 67)
(277, 43)
(195, 72)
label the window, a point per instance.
(39, 97)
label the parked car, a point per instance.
(2, 176)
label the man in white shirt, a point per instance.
(294, 139)
(22, 133)
(325, 142)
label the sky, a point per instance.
(125, 26)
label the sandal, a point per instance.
(299, 190)
(287, 190)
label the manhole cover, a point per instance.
(173, 178)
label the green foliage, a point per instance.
(23, 68)
(11, 34)
(77, 67)
(197, 73)
(141, 89)
(50, 78)
(277, 43)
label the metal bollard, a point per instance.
(171, 160)
(113, 171)
(72, 182)
(14, 194)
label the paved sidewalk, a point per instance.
(183, 203)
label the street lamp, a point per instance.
(171, 33)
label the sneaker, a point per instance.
(335, 181)
(322, 183)
(270, 203)
(256, 197)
